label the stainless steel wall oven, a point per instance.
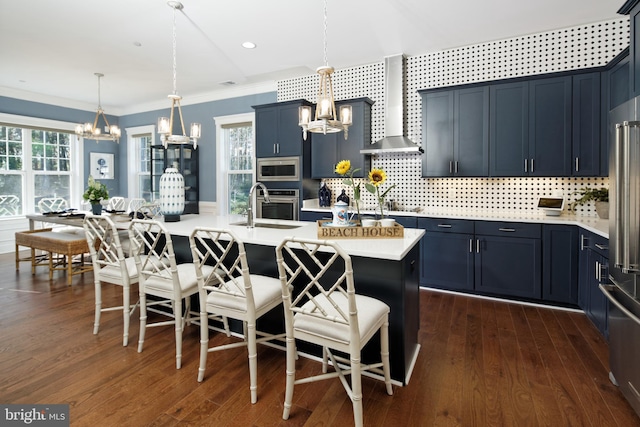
(284, 204)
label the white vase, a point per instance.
(171, 194)
(602, 209)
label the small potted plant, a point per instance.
(600, 197)
(94, 194)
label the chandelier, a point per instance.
(94, 131)
(165, 125)
(325, 117)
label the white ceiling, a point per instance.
(53, 48)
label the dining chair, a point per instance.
(52, 204)
(148, 211)
(231, 291)
(9, 205)
(135, 203)
(160, 276)
(110, 265)
(117, 203)
(322, 307)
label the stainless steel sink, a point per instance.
(267, 225)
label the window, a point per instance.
(37, 162)
(236, 154)
(140, 140)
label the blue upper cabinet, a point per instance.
(508, 128)
(456, 132)
(549, 127)
(530, 128)
(277, 130)
(614, 91)
(327, 150)
(586, 125)
(632, 8)
(437, 131)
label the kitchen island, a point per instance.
(386, 269)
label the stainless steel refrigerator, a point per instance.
(624, 250)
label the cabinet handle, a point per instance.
(450, 166)
(604, 272)
(510, 230)
(444, 225)
(577, 164)
(274, 149)
(470, 245)
(598, 271)
(478, 246)
(583, 245)
(525, 165)
(601, 247)
(456, 167)
(531, 165)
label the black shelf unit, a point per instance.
(185, 159)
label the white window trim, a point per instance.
(221, 154)
(133, 161)
(77, 168)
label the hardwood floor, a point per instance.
(482, 363)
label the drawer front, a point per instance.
(444, 225)
(508, 229)
(599, 244)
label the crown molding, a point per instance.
(226, 93)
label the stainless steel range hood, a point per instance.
(394, 140)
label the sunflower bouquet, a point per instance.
(377, 177)
(344, 168)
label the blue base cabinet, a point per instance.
(560, 264)
(508, 261)
(485, 257)
(447, 258)
(594, 264)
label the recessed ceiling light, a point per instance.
(249, 45)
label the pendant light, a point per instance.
(325, 117)
(165, 125)
(95, 130)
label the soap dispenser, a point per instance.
(324, 195)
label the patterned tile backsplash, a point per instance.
(519, 195)
(584, 46)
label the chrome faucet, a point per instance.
(250, 208)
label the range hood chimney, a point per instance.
(394, 140)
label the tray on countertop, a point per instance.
(356, 231)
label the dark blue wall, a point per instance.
(202, 113)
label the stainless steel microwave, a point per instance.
(278, 169)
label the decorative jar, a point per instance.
(171, 194)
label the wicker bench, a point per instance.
(66, 244)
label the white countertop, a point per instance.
(593, 224)
(392, 249)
